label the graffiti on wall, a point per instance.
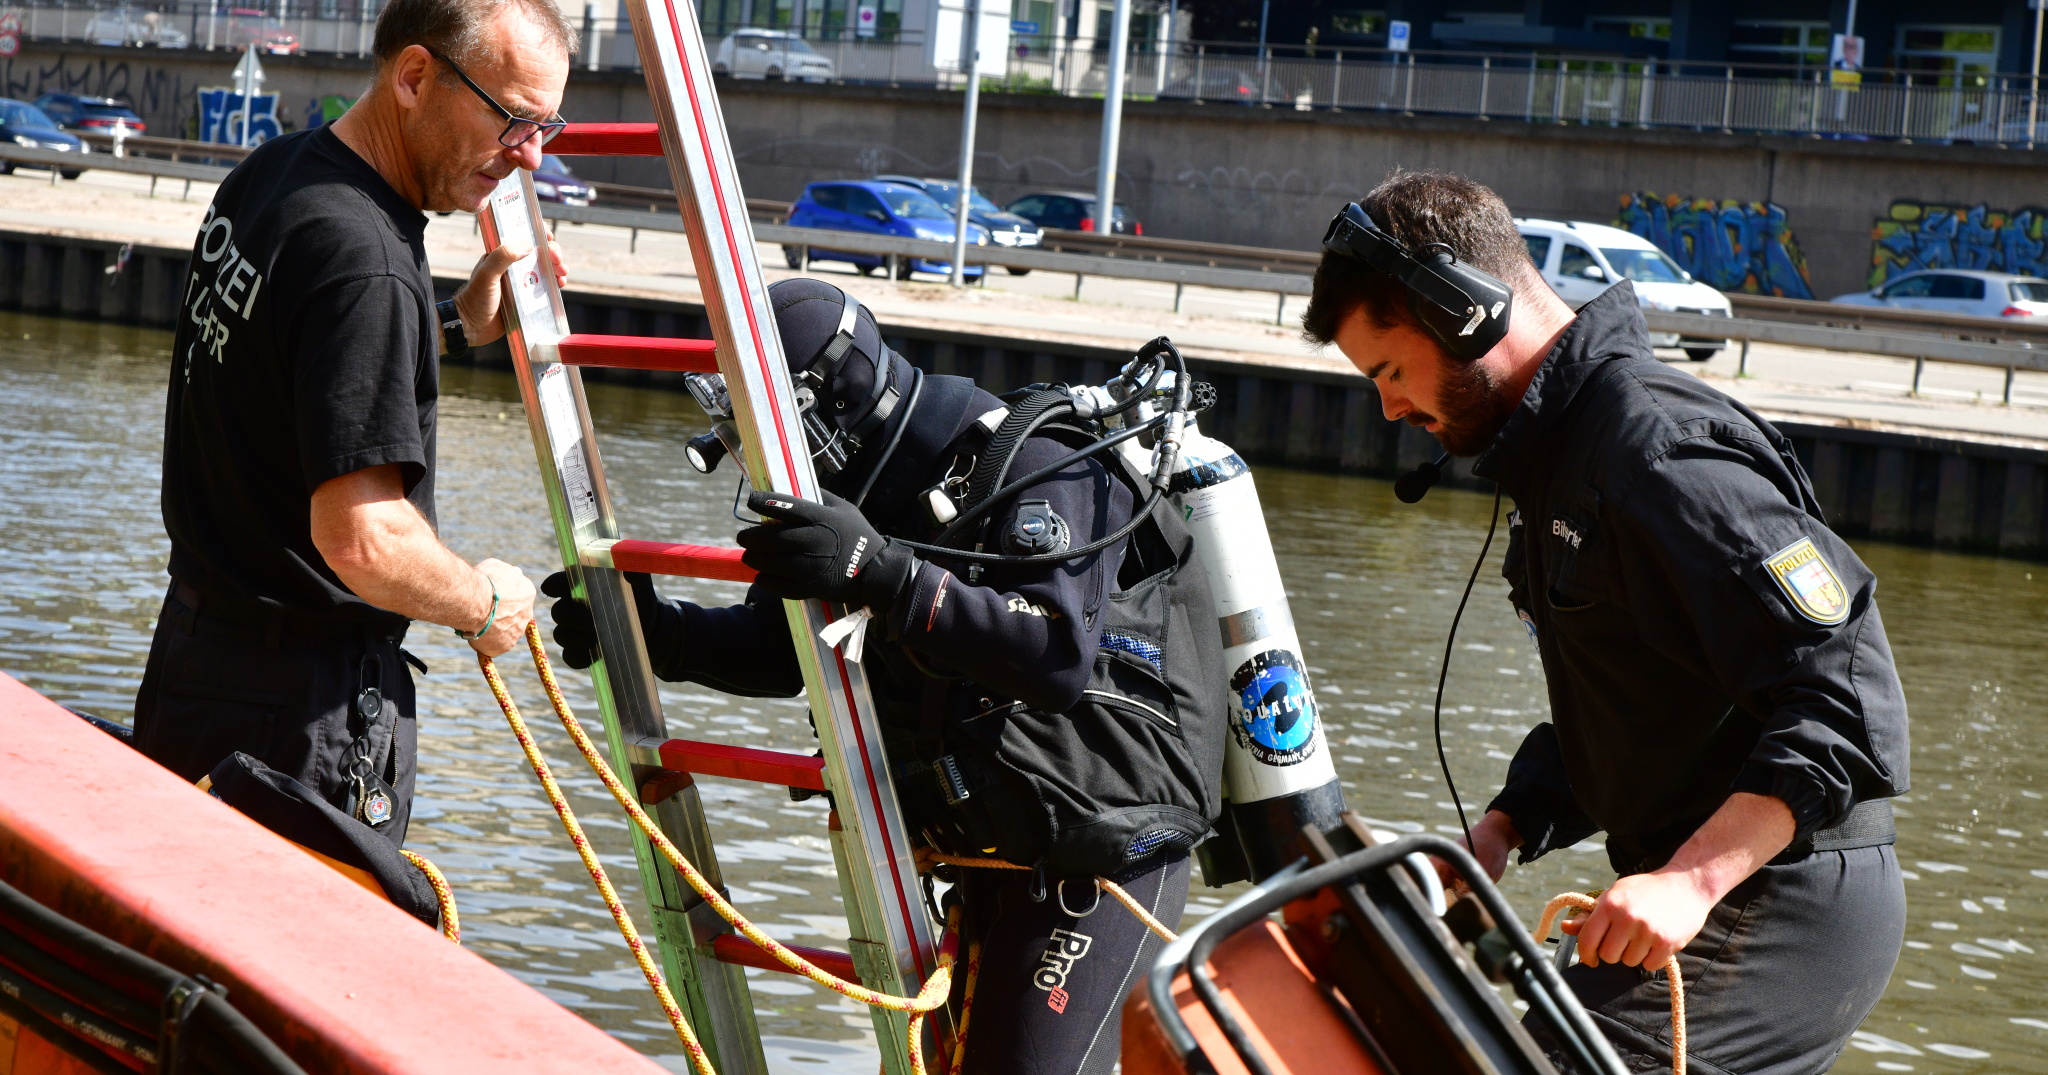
(162, 97)
(1914, 235)
(1729, 245)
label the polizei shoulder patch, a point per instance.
(1812, 586)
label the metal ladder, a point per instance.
(893, 947)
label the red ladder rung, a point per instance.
(684, 561)
(743, 763)
(640, 352)
(737, 949)
(607, 140)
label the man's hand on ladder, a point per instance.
(481, 300)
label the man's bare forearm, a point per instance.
(385, 553)
(1746, 832)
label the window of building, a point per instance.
(1780, 41)
(1955, 55)
(1658, 29)
(1357, 23)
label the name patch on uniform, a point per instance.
(1562, 529)
(1812, 586)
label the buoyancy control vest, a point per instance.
(1132, 770)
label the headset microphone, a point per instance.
(1410, 487)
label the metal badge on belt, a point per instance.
(1813, 587)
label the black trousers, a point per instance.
(1054, 973)
(1784, 971)
(213, 687)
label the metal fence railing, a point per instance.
(1545, 88)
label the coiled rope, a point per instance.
(1579, 901)
(928, 998)
(451, 923)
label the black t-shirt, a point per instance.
(306, 350)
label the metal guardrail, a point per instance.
(1910, 334)
(177, 148)
(107, 162)
(1843, 315)
(1538, 85)
(991, 255)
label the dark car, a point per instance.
(1004, 227)
(23, 124)
(1072, 210)
(97, 114)
(554, 182)
(1234, 87)
(872, 208)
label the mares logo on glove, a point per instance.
(853, 561)
(1056, 962)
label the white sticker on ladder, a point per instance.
(565, 438)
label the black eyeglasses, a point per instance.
(518, 131)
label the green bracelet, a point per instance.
(488, 620)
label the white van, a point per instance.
(1579, 261)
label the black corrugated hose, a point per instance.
(98, 1000)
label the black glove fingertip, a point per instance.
(772, 504)
(557, 585)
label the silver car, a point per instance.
(780, 54)
(127, 26)
(1971, 292)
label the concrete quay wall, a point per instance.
(1223, 173)
(1954, 492)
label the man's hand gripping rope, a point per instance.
(930, 997)
(1579, 901)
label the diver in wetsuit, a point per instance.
(1054, 714)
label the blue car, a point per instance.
(872, 208)
(554, 182)
(23, 124)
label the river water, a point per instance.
(1373, 585)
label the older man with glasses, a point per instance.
(298, 474)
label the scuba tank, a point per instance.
(1277, 774)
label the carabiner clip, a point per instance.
(1037, 890)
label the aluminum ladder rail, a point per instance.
(893, 946)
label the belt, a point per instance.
(1869, 824)
(271, 622)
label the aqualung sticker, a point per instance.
(1275, 713)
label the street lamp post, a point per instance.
(962, 206)
(1112, 118)
(2034, 95)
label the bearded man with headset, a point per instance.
(1724, 704)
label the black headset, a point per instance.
(1463, 309)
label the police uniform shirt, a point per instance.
(305, 350)
(1701, 628)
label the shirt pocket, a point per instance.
(1572, 549)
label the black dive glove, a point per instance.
(660, 620)
(827, 551)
